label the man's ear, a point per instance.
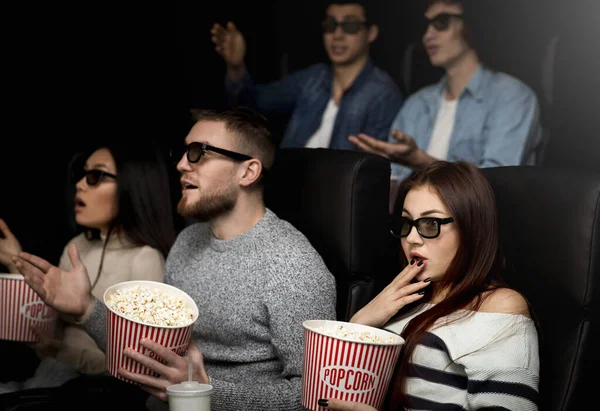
(373, 32)
(251, 172)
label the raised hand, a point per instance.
(9, 247)
(65, 291)
(404, 151)
(396, 295)
(229, 43)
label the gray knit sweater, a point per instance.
(253, 291)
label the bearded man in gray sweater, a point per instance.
(254, 277)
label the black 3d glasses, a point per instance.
(330, 25)
(427, 227)
(441, 22)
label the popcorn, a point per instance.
(364, 336)
(150, 306)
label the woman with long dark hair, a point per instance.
(470, 341)
(123, 211)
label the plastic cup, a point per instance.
(189, 396)
(122, 332)
(20, 308)
(344, 367)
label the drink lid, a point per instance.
(190, 389)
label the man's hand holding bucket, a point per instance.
(173, 369)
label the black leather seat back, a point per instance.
(339, 200)
(550, 228)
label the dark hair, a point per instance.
(145, 214)
(458, 2)
(367, 6)
(251, 131)
(470, 32)
(478, 263)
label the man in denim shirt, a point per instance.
(327, 103)
(487, 118)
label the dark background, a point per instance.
(73, 73)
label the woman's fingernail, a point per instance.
(422, 292)
(420, 263)
(323, 403)
(412, 261)
(427, 280)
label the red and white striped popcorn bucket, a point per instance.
(122, 332)
(20, 308)
(339, 365)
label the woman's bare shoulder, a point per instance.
(505, 301)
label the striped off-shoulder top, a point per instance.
(486, 361)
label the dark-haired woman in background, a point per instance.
(123, 206)
(470, 342)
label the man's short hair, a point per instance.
(251, 131)
(459, 2)
(367, 6)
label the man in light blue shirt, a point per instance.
(487, 118)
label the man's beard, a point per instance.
(209, 206)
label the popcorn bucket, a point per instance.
(122, 332)
(350, 362)
(20, 308)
